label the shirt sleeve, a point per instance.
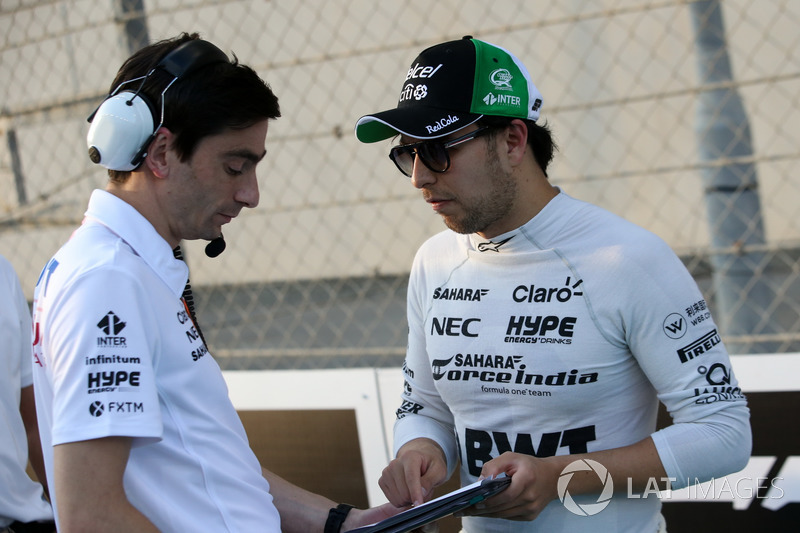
(101, 341)
(672, 335)
(423, 413)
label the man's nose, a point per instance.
(421, 175)
(248, 193)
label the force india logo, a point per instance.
(503, 369)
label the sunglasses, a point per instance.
(433, 154)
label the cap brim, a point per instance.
(418, 122)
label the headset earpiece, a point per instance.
(125, 124)
(120, 127)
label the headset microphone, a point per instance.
(215, 247)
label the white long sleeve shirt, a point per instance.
(561, 337)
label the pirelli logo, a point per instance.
(700, 346)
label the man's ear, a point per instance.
(157, 159)
(516, 141)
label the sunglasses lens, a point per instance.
(403, 158)
(434, 155)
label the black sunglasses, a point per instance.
(432, 153)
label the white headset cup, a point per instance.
(122, 124)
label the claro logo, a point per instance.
(534, 294)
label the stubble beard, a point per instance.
(480, 213)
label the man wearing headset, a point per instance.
(543, 331)
(137, 429)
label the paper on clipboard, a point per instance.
(440, 507)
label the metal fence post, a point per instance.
(730, 183)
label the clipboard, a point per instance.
(440, 507)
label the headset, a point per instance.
(123, 125)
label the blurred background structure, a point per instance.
(681, 116)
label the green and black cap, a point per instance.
(452, 85)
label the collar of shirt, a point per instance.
(534, 235)
(126, 222)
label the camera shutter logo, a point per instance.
(585, 509)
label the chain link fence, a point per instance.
(679, 116)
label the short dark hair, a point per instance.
(202, 103)
(540, 137)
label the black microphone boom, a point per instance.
(215, 247)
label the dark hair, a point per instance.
(204, 102)
(540, 138)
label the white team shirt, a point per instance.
(20, 497)
(117, 354)
(561, 337)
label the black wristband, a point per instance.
(336, 517)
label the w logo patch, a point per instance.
(675, 326)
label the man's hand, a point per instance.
(533, 486)
(409, 479)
